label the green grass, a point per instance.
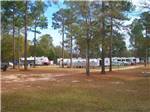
(100, 95)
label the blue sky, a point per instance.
(55, 33)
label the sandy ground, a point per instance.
(55, 74)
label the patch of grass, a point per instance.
(38, 75)
(97, 96)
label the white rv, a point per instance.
(38, 60)
(96, 62)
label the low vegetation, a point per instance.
(120, 91)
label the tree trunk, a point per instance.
(146, 57)
(110, 50)
(146, 51)
(103, 41)
(87, 58)
(63, 44)
(87, 50)
(18, 48)
(25, 40)
(71, 52)
(13, 40)
(35, 46)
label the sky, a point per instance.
(56, 35)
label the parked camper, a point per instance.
(44, 60)
(134, 60)
(80, 62)
(107, 62)
(96, 62)
(77, 63)
(38, 60)
(116, 61)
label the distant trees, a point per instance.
(77, 24)
(58, 23)
(46, 48)
(12, 13)
(146, 23)
(39, 20)
(115, 13)
(137, 38)
(22, 16)
(69, 24)
(140, 36)
(19, 16)
(7, 49)
(83, 15)
(95, 22)
(57, 50)
(94, 26)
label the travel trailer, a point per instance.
(96, 62)
(38, 60)
(126, 60)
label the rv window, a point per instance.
(123, 59)
(127, 60)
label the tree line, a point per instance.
(91, 24)
(96, 27)
(19, 17)
(89, 29)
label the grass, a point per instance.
(101, 94)
(127, 97)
